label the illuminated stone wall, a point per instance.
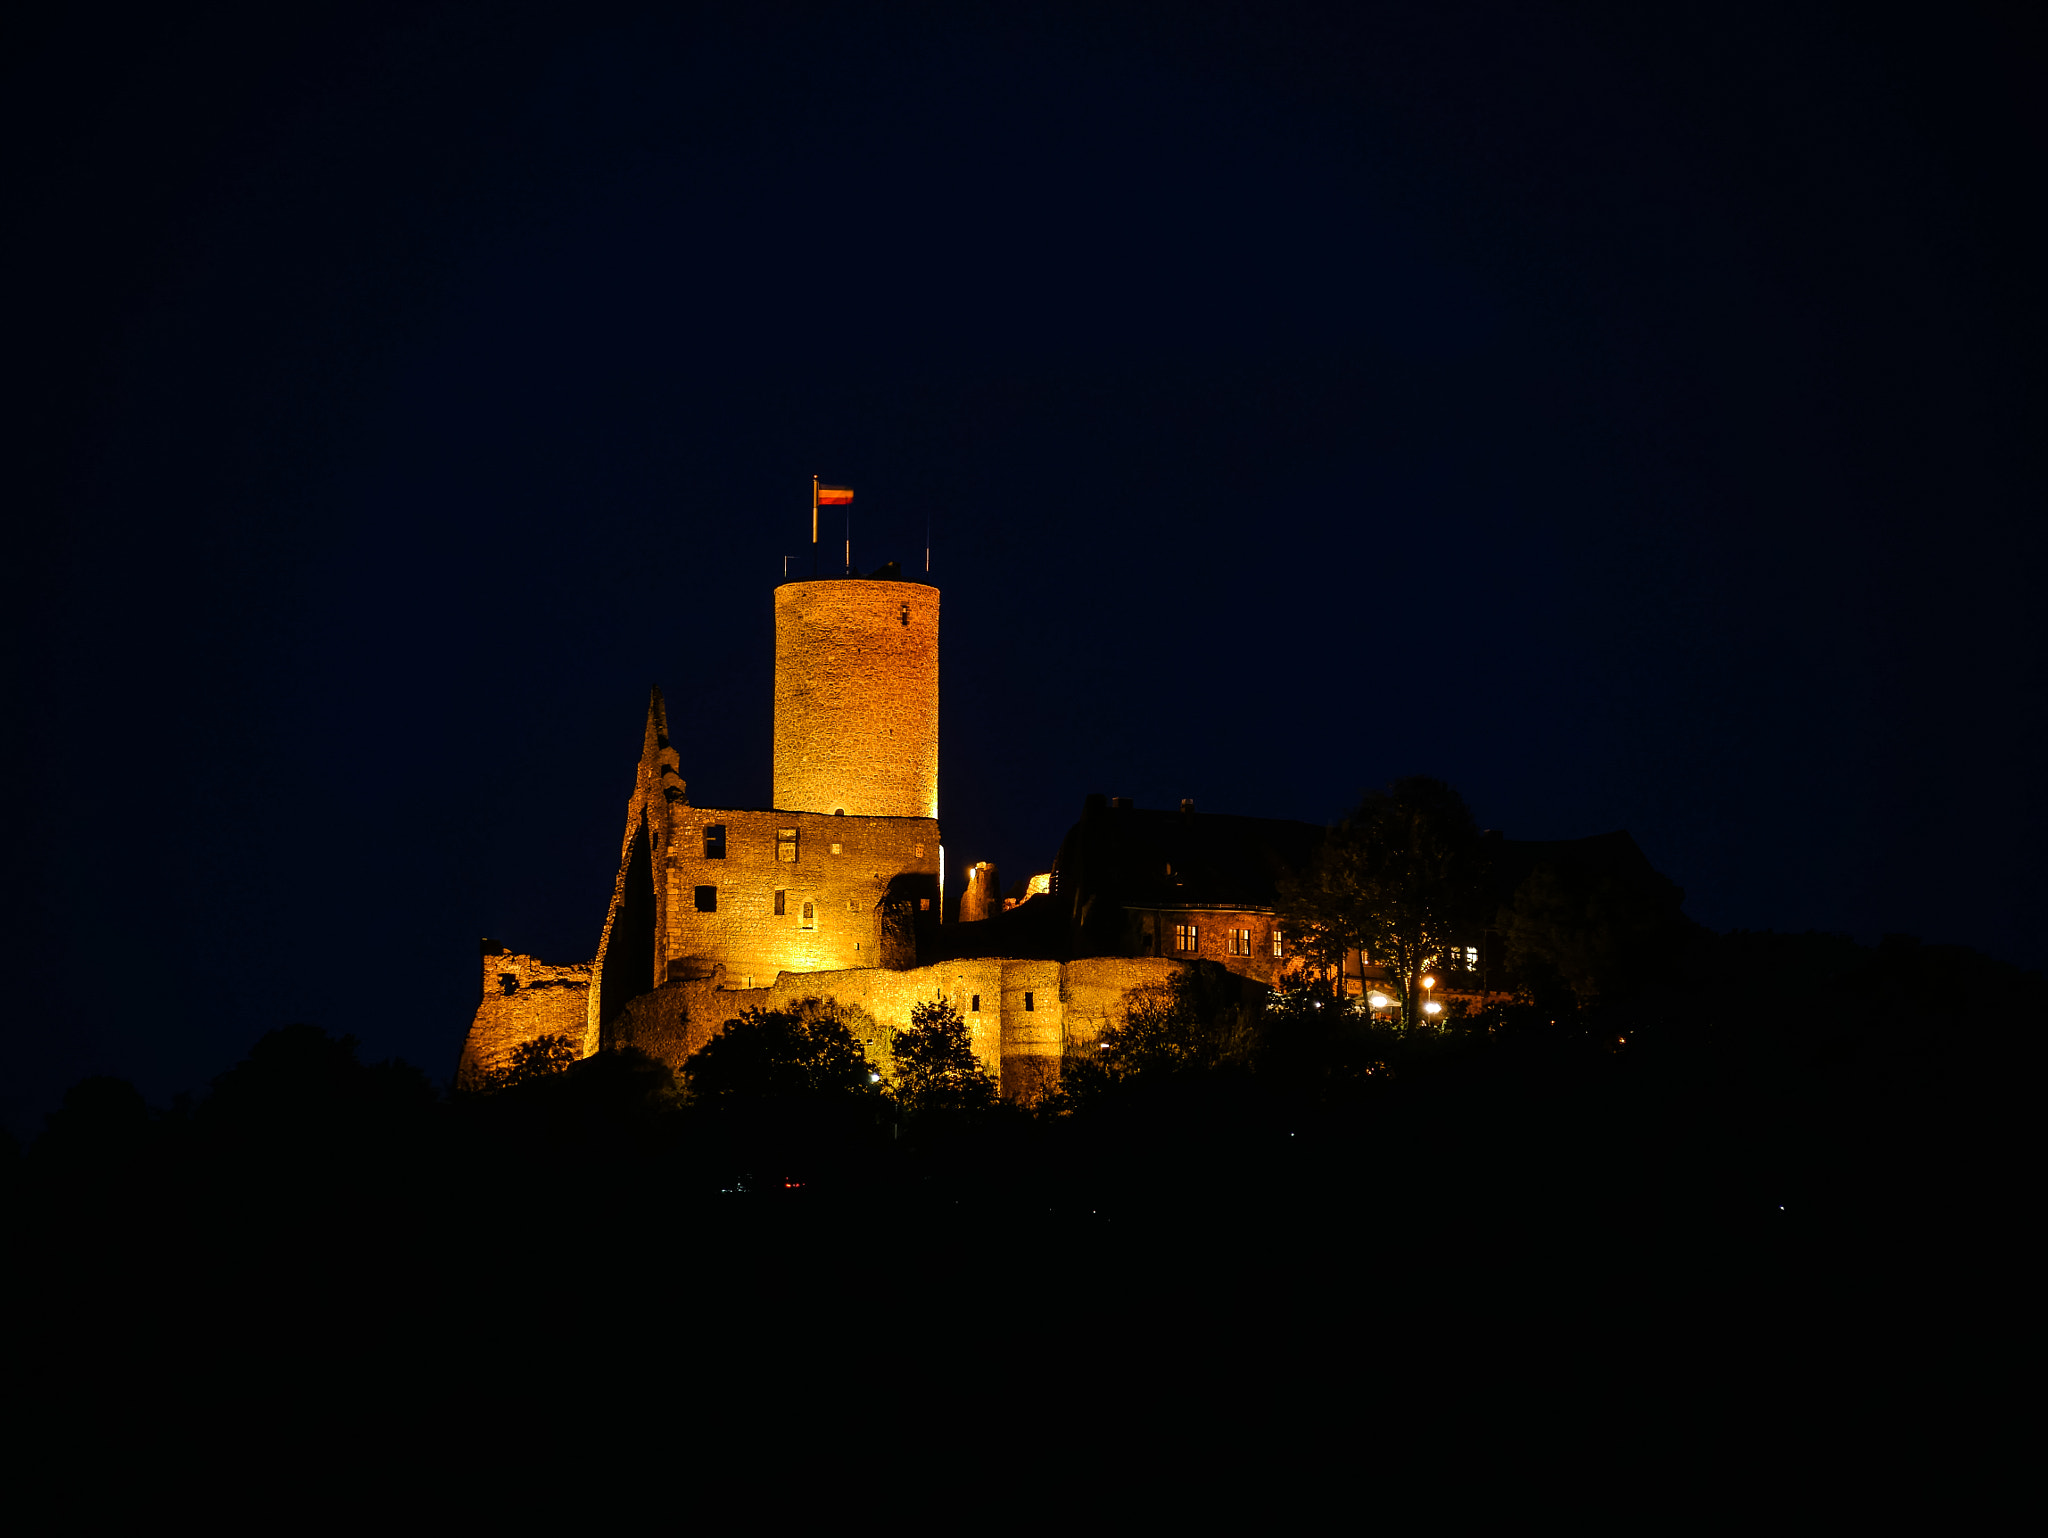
(857, 698)
(523, 1000)
(1019, 1014)
(844, 867)
(982, 896)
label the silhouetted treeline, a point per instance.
(1746, 1074)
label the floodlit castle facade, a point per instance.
(836, 891)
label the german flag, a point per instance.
(832, 496)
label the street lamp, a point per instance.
(1430, 1005)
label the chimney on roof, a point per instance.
(1187, 806)
(1119, 803)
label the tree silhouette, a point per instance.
(1403, 879)
(936, 1070)
(806, 1051)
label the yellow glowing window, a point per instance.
(1279, 944)
(924, 905)
(1240, 942)
(785, 845)
(1185, 938)
(835, 849)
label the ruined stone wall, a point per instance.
(857, 698)
(982, 896)
(629, 965)
(844, 867)
(524, 999)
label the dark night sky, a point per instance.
(1637, 422)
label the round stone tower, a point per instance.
(857, 697)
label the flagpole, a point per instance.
(814, 526)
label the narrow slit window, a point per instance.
(974, 1005)
(1027, 1003)
(781, 903)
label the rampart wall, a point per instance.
(1020, 1015)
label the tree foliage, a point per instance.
(530, 1060)
(1197, 1023)
(814, 1049)
(936, 1071)
(1403, 879)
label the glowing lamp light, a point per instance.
(1428, 981)
(1377, 1000)
(1432, 1008)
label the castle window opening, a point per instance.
(781, 903)
(707, 899)
(1027, 1003)
(1279, 944)
(906, 613)
(974, 1005)
(924, 905)
(1184, 938)
(508, 982)
(1240, 942)
(714, 841)
(835, 849)
(785, 847)
(809, 920)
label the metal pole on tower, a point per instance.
(814, 526)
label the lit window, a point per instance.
(924, 905)
(1472, 958)
(1184, 938)
(1279, 944)
(809, 920)
(714, 841)
(707, 899)
(835, 849)
(781, 904)
(785, 845)
(1240, 942)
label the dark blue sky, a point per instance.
(1637, 422)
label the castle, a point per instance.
(838, 890)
